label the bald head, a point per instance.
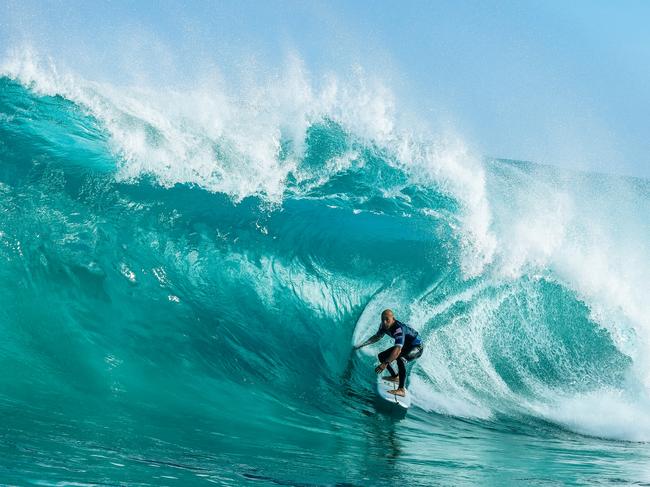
(387, 318)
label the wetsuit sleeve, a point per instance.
(399, 337)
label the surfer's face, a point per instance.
(387, 321)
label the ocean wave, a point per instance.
(163, 243)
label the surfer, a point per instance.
(408, 346)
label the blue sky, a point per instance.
(565, 83)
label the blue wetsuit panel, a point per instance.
(404, 335)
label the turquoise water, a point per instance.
(184, 276)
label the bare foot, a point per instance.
(391, 378)
(398, 392)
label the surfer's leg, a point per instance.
(414, 353)
(401, 365)
(383, 355)
(382, 358)
(409, 355)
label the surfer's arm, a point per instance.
(370, 340)
(397, 349)
(393, 355)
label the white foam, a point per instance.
(456, 403)
(594, 242)
(606, 413)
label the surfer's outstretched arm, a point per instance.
(370, 340)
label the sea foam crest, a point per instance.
(234, 140)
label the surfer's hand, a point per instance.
(380, 368)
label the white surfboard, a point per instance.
(383, 386)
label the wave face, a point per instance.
(184, 275)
